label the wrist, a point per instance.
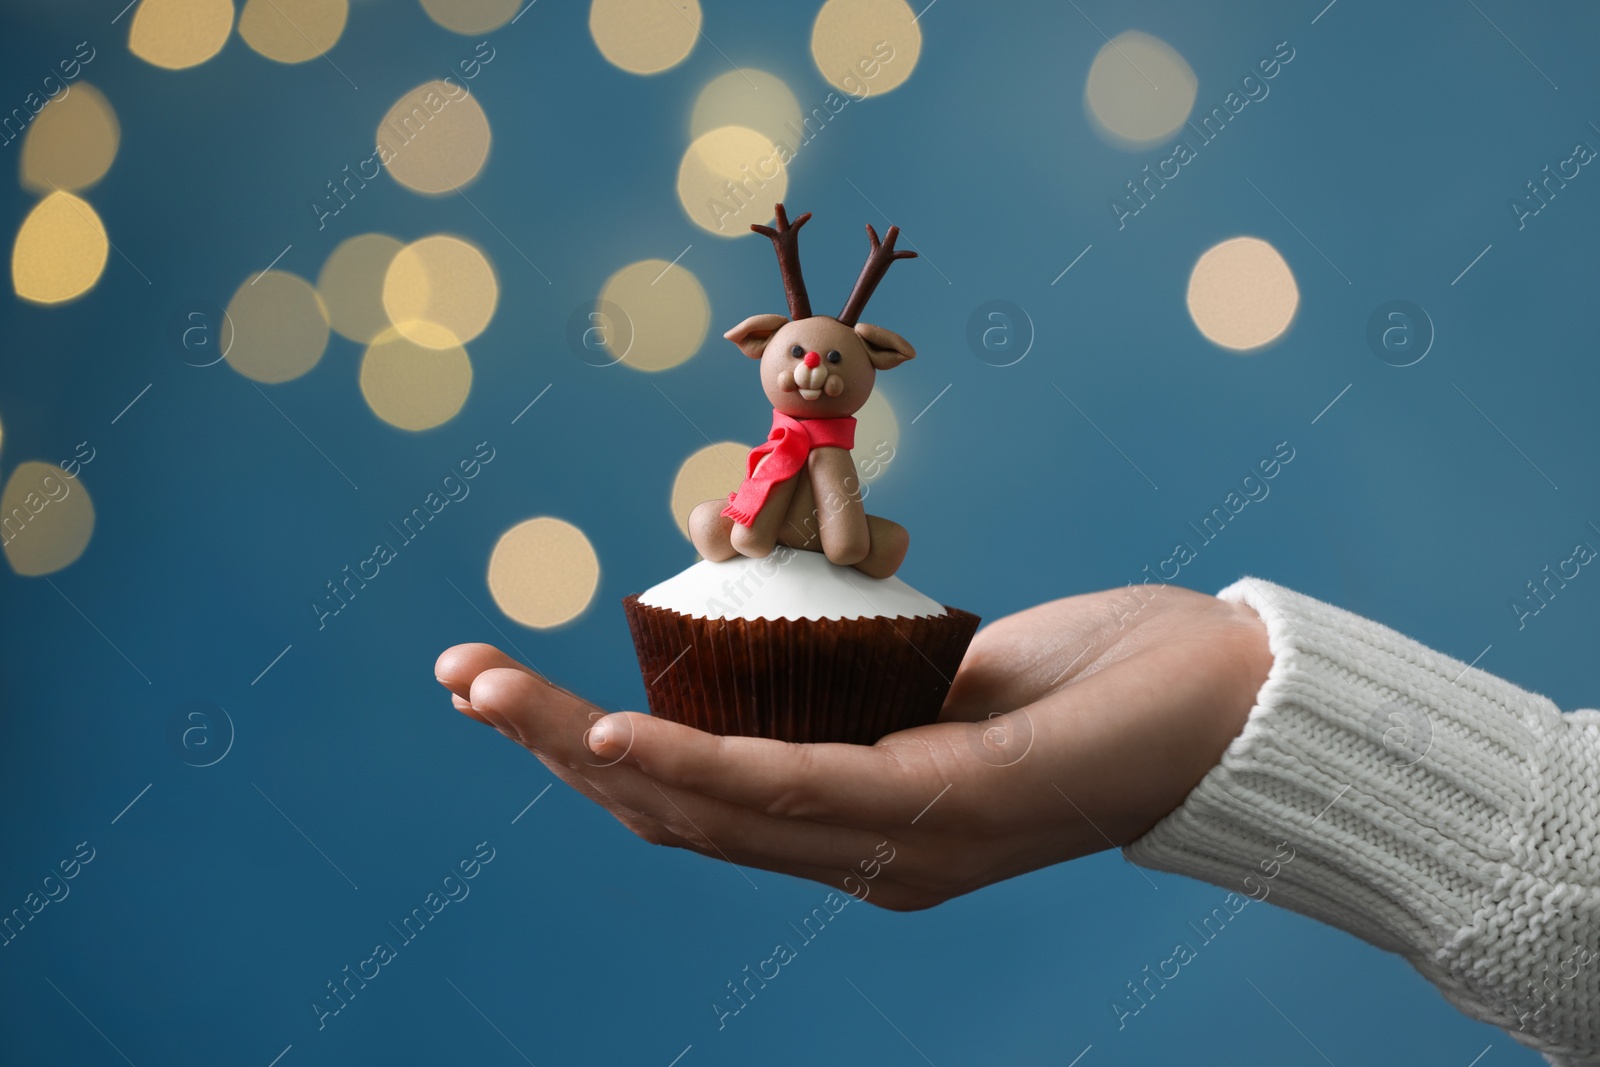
(1246, 644)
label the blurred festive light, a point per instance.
(293, 31)
(280, 327)
(471, 16)
(750, 98)
(1139, 91)
(1242, 294)
(730, 177)
(667, 312)
(456, 142)
(543, 572)
(644, 36)
(72, 142)
(877, 437)
(60, 251)
(47, 517)
(709, 474)
(351, 285)
(440, 291)
(413, 386)
(180, 33)
(866, 46)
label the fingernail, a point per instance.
(599, 734)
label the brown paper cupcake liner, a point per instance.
(805, 680)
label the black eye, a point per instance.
(797, 351)
(833, 357)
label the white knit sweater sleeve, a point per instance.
(1433, 810)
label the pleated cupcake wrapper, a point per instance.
(806, 680)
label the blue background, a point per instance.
(206, 924)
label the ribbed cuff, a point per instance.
(1431, 809)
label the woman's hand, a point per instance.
(1071, 727)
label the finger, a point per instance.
(853, 864)
(553, 723)
(739, 835)
(457, 666)
(468, 710)
(546, 718)
(865, 786)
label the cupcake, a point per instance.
(793, 625)
(793, 647)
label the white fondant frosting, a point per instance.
(788, 584)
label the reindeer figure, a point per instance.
(800, 488)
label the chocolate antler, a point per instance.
(878, 261)
(786, 241)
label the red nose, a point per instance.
(812, 359)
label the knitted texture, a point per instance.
(1436, 811)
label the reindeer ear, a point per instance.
(753, 333)
(885, 348)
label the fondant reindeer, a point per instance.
(800, 487)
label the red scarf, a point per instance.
(790, 441)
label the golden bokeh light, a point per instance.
(866, 46)
(471, 16)
(644, 36)
(413, 386)
(1242, 293)
(60, 252)
(877, 437)
(280, 327)
(351, 285)
(1139, 91)
(180, 33)
(440, 291)
(72, 142)
(435, 138)
(667, 314)
(543, 572)
(709, 474)
(293, 31)
(750, 98)
(730, 177)
(47, 518)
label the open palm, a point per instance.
(1070, 727)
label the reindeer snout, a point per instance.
(812, 378)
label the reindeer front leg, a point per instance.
(759, 540)
(841, 519)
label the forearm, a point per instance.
(1434, 810)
